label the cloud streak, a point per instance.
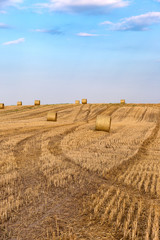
(82, 34)
(50, 31)
(83, 5)
(20, 40)
(135, 23)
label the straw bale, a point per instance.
(103, 123)
(37, 102)
(77, 102)
(84, 101)
(1, 105)
(122, 101)
(19, 103)
(52, 116)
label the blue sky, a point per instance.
(59, 51)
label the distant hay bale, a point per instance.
(77, 102)
(103, 123)
(19, 103)
(1, 105)
(123, 101)
(84, 101)
(37, 102)
(52, 116)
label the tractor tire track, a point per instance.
(144, 113)
(94, 115)
(88, 112)
(109, 111)
(54, 146)
(120, 169)
(78, 114)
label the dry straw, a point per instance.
(77, 102)
(103, 123)
(37, 102)
(123, 101)
(19, 103)
(1, 105)
(84, 101)
(52, 116)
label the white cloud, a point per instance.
(20, 40)
(8, 3)
(135, 23)
(83, 5)
(86, 34)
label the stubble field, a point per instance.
(63, 180)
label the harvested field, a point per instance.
(64, 180)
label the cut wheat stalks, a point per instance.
(103, 123)
(19, 103)
(84, 101)
(123, 101)
(37, 102)
(52, 116)
(77, 102)
(1, 105)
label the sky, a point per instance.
(62, 50)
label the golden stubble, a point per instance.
(111, 178)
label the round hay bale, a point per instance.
(77, 102)
(1, 105)
(123, 101)
(37, 102)
(103, 123)
(52, 116)
(84, 101)
(19, 103)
